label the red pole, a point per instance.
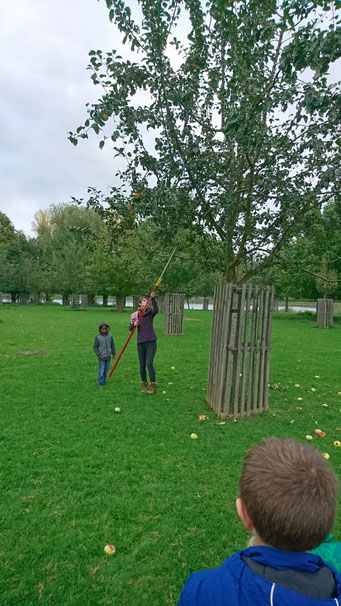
(141, 314)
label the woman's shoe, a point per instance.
(152, 388)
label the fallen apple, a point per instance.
(319, 432)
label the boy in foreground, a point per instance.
(287, 499)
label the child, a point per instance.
(104, 348)
(146, 341)
(287, 499)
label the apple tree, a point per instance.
(225, 115)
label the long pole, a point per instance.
(142, 312)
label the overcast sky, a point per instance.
(45, 85)
(44, 46)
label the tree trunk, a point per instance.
(91, 299)
(286, 303)
(120, 303)
(205, 303)
(65, 300)
(84, 301)
(136, 299)
(105, 300)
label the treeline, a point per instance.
(77, 251)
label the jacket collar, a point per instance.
(282, 560)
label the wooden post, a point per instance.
(174, 314)
(325, 312)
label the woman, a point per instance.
(146, 341)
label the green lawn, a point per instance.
(75, 475)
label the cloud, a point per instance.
(44, 48)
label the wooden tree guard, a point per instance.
(325, 312)
(239, 365)
(174, 314)
(75, 301)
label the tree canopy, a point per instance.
(225, 116)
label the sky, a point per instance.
(44, 46)
(45, 84)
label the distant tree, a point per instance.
(65, 246)
(327, 283)
(7, 232)
(224, 131)
(16, 256)
(310, 265)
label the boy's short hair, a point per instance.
(290, 493)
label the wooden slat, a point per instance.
(265, 312)
(245, 349)
(268, 349)
(230, 353)
(237, 359)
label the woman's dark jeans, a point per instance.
(146, 352)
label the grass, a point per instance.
(75, 475)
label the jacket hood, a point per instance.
(103, 324)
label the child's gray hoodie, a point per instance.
(104, 345)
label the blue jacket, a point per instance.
(235, 584)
